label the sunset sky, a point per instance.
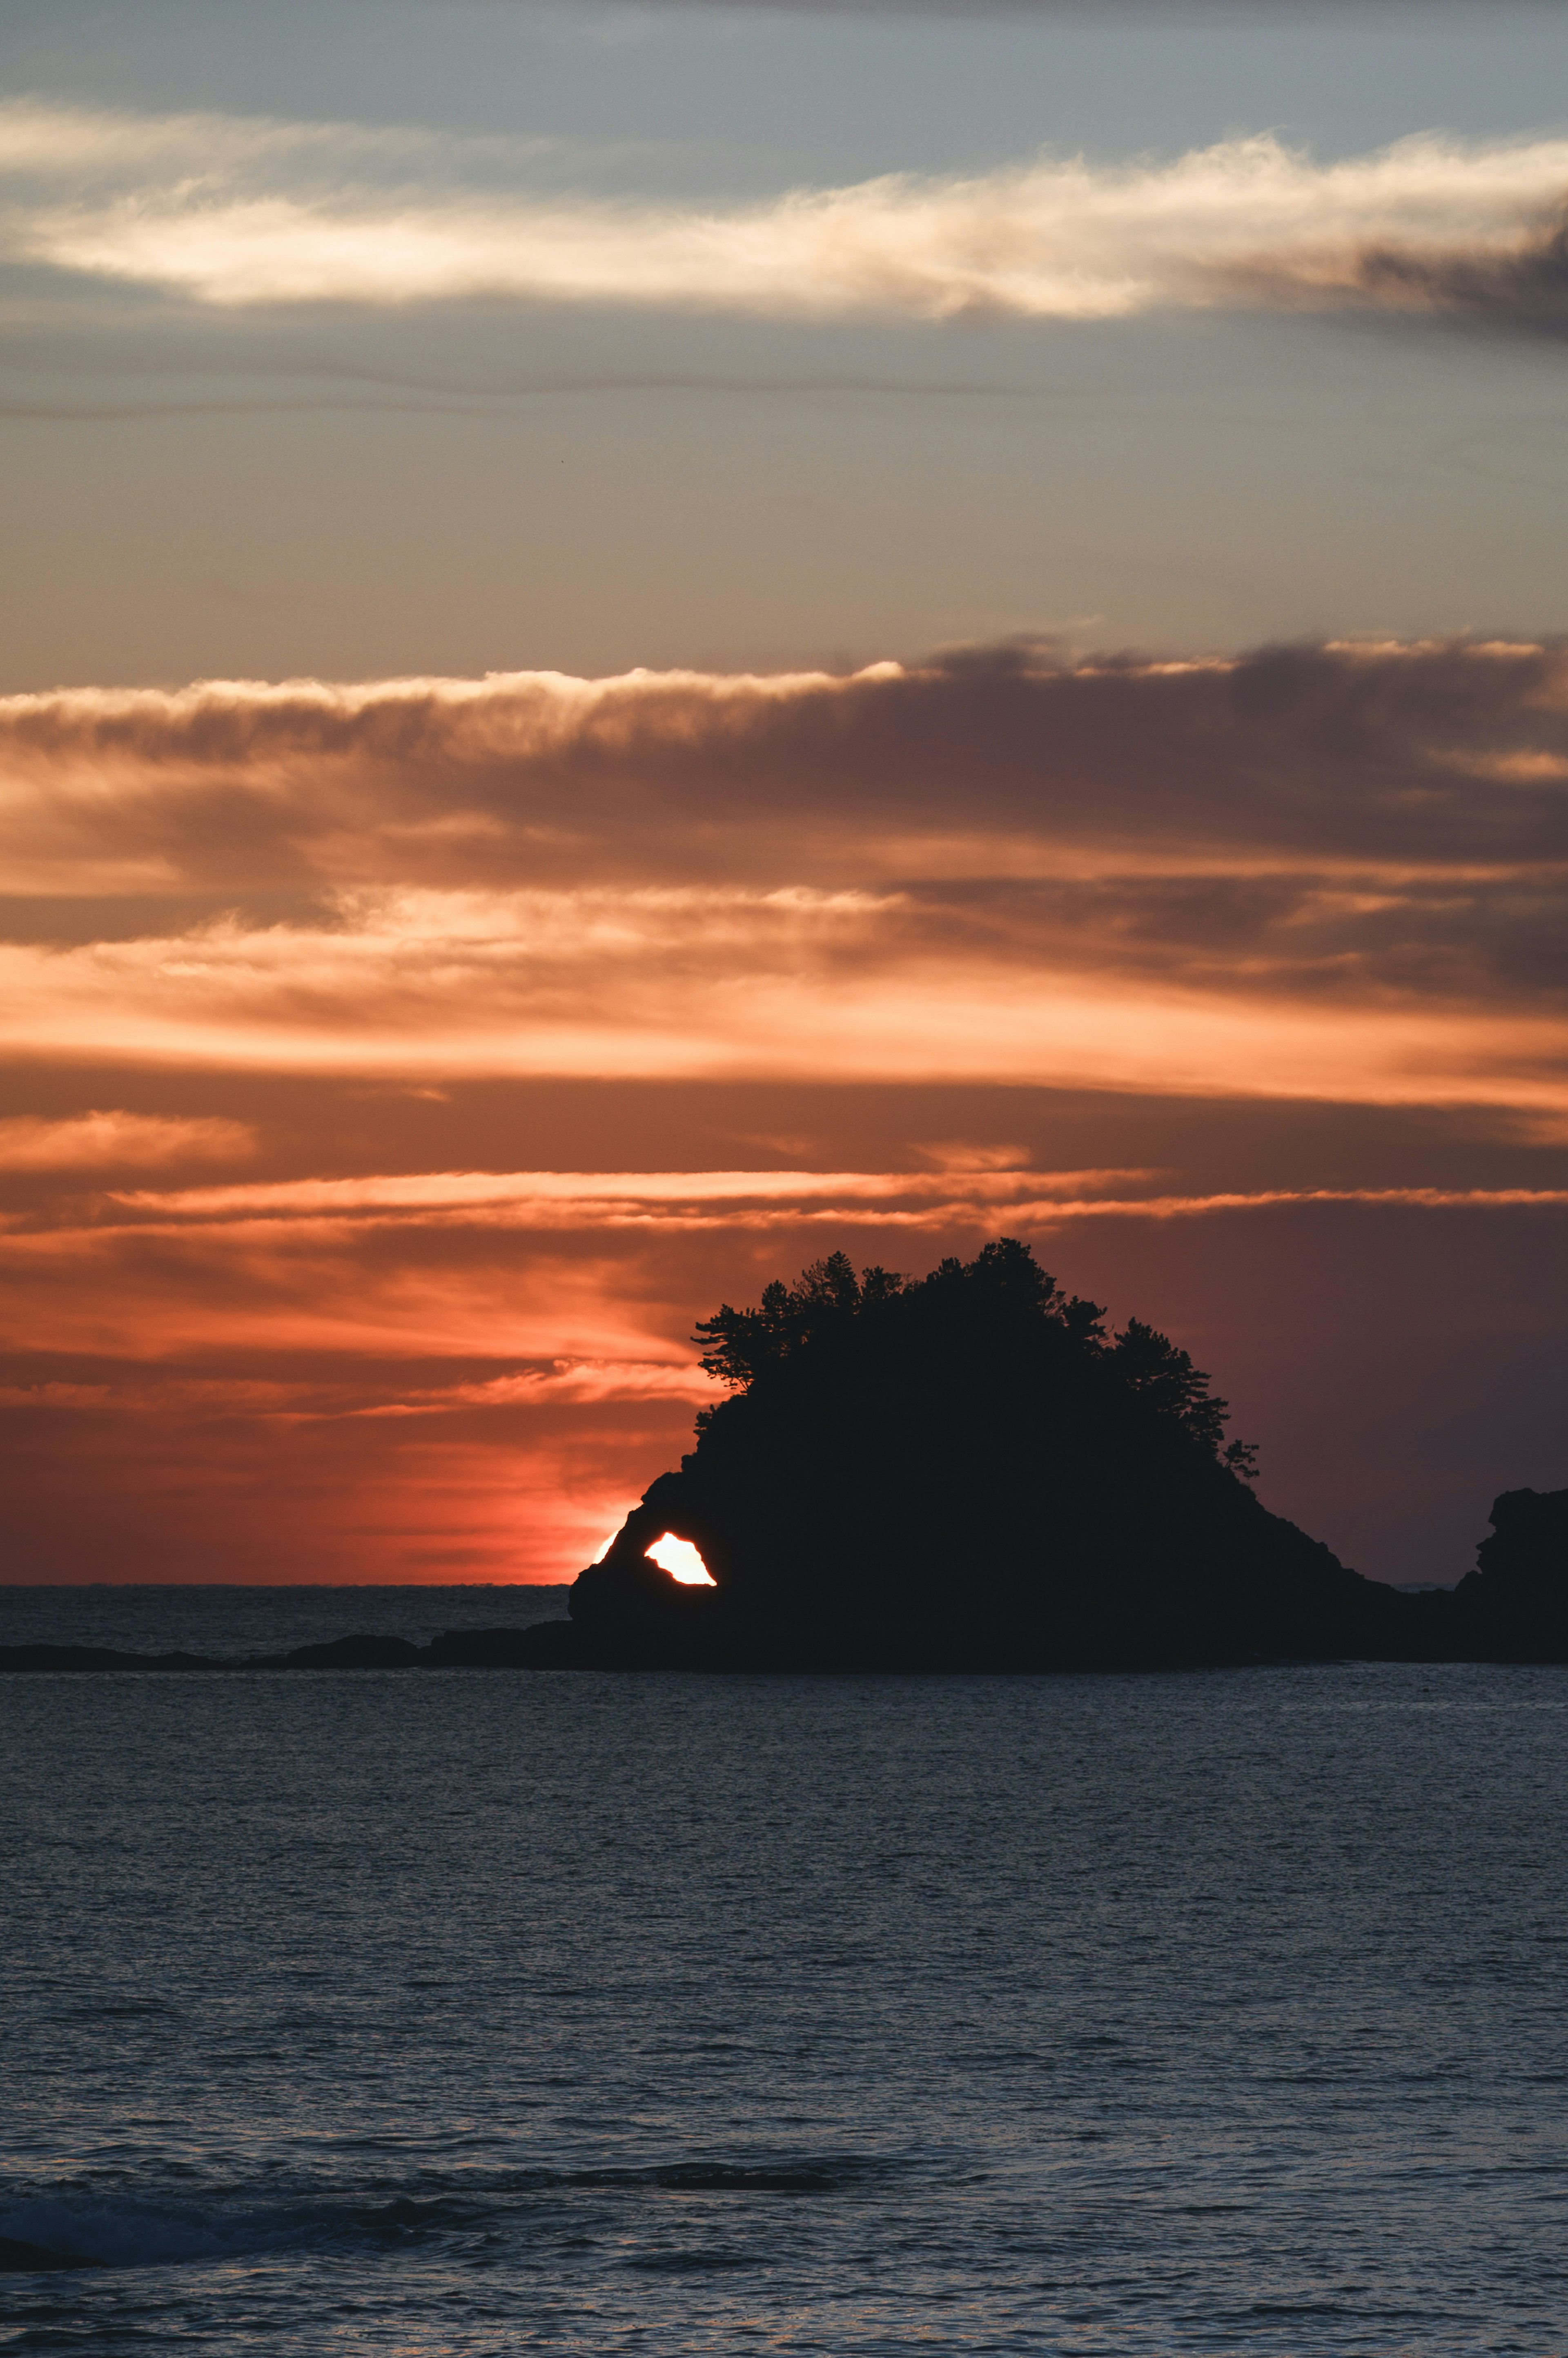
(642, 640)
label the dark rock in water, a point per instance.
(1514, 1606)
(35, 2259)
(358, 1653)
(100, 1658)
(490, 1649)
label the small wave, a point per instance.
(141, 2232)
(126, 2009)
(115, 2235)
(689, 2264)
(131, 2231)
(814, 2175)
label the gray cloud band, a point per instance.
(1159, 12)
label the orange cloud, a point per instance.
(540, 1268)
(762, 985)
(91, 1141)
(550, 1200)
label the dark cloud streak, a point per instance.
(1525, 290)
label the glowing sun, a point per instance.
(682, 1561)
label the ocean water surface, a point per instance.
(486, 2011)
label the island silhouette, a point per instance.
(968, 1471)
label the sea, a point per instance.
(484, 2011)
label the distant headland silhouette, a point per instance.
(966, 1472)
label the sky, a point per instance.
(642, 641)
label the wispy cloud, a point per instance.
(96, 1141)
(233, 214)
(548, 1201)
(317, 1400)
(732, 985)
(545, 1198)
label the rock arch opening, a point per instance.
(681, 1561)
